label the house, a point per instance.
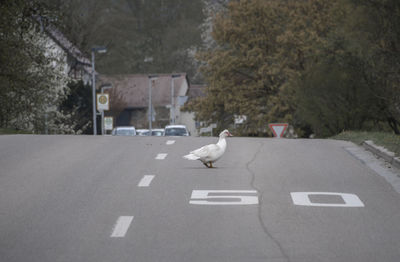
(64, 63)
(76, 65)
(188, 117)
(129, 98)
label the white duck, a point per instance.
(210, 153)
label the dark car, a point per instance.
(176, 130)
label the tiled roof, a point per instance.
(65, 44)
(134, 89)
(59, 38)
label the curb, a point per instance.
(381, 152)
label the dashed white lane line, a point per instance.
(145, 181)
(122, 226)
(161, 156)
(170, 142)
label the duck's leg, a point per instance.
(211, 165)
(205, 164)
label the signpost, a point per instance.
(103, 102)
(108, 123)
(278, 129)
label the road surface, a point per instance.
(86, 198)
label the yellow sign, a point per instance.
(103, 102)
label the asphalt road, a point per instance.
(84, 198)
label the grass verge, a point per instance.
(388, 140)
(10, 131)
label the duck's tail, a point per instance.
(191, 157)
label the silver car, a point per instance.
(142, 132)
(157, 132)
(124, 131)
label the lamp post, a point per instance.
(151, 78)
(99, 49)
(172, 112)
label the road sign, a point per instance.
(103, 102)
(278, 129)
(108, 123)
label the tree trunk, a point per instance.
(394, 125)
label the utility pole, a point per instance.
(172, 111)
(99, 49)
(94, 96)
(151, 78)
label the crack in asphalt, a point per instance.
(260, 201)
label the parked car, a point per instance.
(157, 132)
(142, 132)
(176, 130)
(124, 131)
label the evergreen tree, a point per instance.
(141, 36)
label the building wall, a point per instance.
(59, 57)
(187, 119)
(138, 117)
(181, 93)
(131, 94)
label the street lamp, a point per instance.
(151, 78)
(172, 110)
(103, 87)
(99, 49)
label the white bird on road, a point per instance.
(210, 153)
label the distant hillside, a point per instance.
(141, 36)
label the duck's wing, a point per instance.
(205, 151)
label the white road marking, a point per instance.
(170, 142)
(161, 156)
(121, 226)
(224, 197)
(303, 199)
(145, 181)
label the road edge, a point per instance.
(382, 152)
